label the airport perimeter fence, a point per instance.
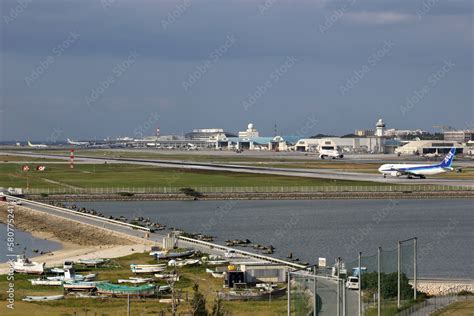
(385, 278)
(314, 294)
(252, 189)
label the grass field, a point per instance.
(125, 175)
(463, 308)
(117, 306)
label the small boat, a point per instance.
(92, 262)
(116, 290)
(147, 268)
(24, 265)
(252, 295)
(46, 282)
(167, 276)
(43, 298)
(163, 254)
(73, 278)
(135, 280)
(217, 262)
(56, 270)
(189, 262)
(81, 286)
(164, 288)
(219, 275)
(209, 270)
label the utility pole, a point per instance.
(288, 307)
(128, 305)
(315, 291)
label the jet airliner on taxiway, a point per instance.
(421, 171)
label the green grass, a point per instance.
(462, 308)
(117, 306)
(130, 176)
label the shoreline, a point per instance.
(254, 196)
(107, 244)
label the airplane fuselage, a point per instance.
(395, 170)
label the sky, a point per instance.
(107, 68)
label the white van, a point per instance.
(352, 283)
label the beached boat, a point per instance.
(116, 290)
(92, 262)
(46, 282)
(81, 286)
(188, 262)
(164, 288)
(165, 254)
(209, 270)
(252, 295)
(147, 268)
(43, 298)
(217, 262)
(24, 265)
(73, 278)
(135, 280)
(167, 276)
(219, 275)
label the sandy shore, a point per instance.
(78, 240)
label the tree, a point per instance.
(217, 308)
(191, 192)
(388, 284)
(198, 302)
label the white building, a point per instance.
(250, 132)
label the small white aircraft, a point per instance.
(37, 145)
(421, 171)
(330, 153)
(71, 142)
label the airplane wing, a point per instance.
(403, 171)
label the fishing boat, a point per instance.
(188, 262)
(165, 254)
(92, 262)
(147, 268)
(116, 290)
(135, 280)
(219, 275)
(217, 262)
(43, 298)
(24, 265)
(73, 278)
(252, 295)
(209, 270)
(46, 282)
(167, 276)
(81, 286)
(164, 288)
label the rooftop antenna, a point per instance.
(275, 131)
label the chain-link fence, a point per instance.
(313, 294)
(251, 189)
(384, 278)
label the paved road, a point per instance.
(311, 173)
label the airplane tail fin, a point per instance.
(30, 144)
(448, 160)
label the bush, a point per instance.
(125, 194)
(191, 192)
(388, 284)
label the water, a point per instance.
(327, 228)
(24, 243)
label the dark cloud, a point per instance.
(174, 40)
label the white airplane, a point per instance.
(330, 153)
(421, 171)
(37, 145)
(71, 142)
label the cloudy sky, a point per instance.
(92, 69)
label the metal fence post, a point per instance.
(360, 284)
(378, 281)
(398, 274)
(414, 268)
(288, 307)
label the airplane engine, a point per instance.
(341, 156)
(396, 174)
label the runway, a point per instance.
(292, 172)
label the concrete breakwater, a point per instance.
(255, 196)
(444, 287)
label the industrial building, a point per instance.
(459, 136)
(429, 147)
